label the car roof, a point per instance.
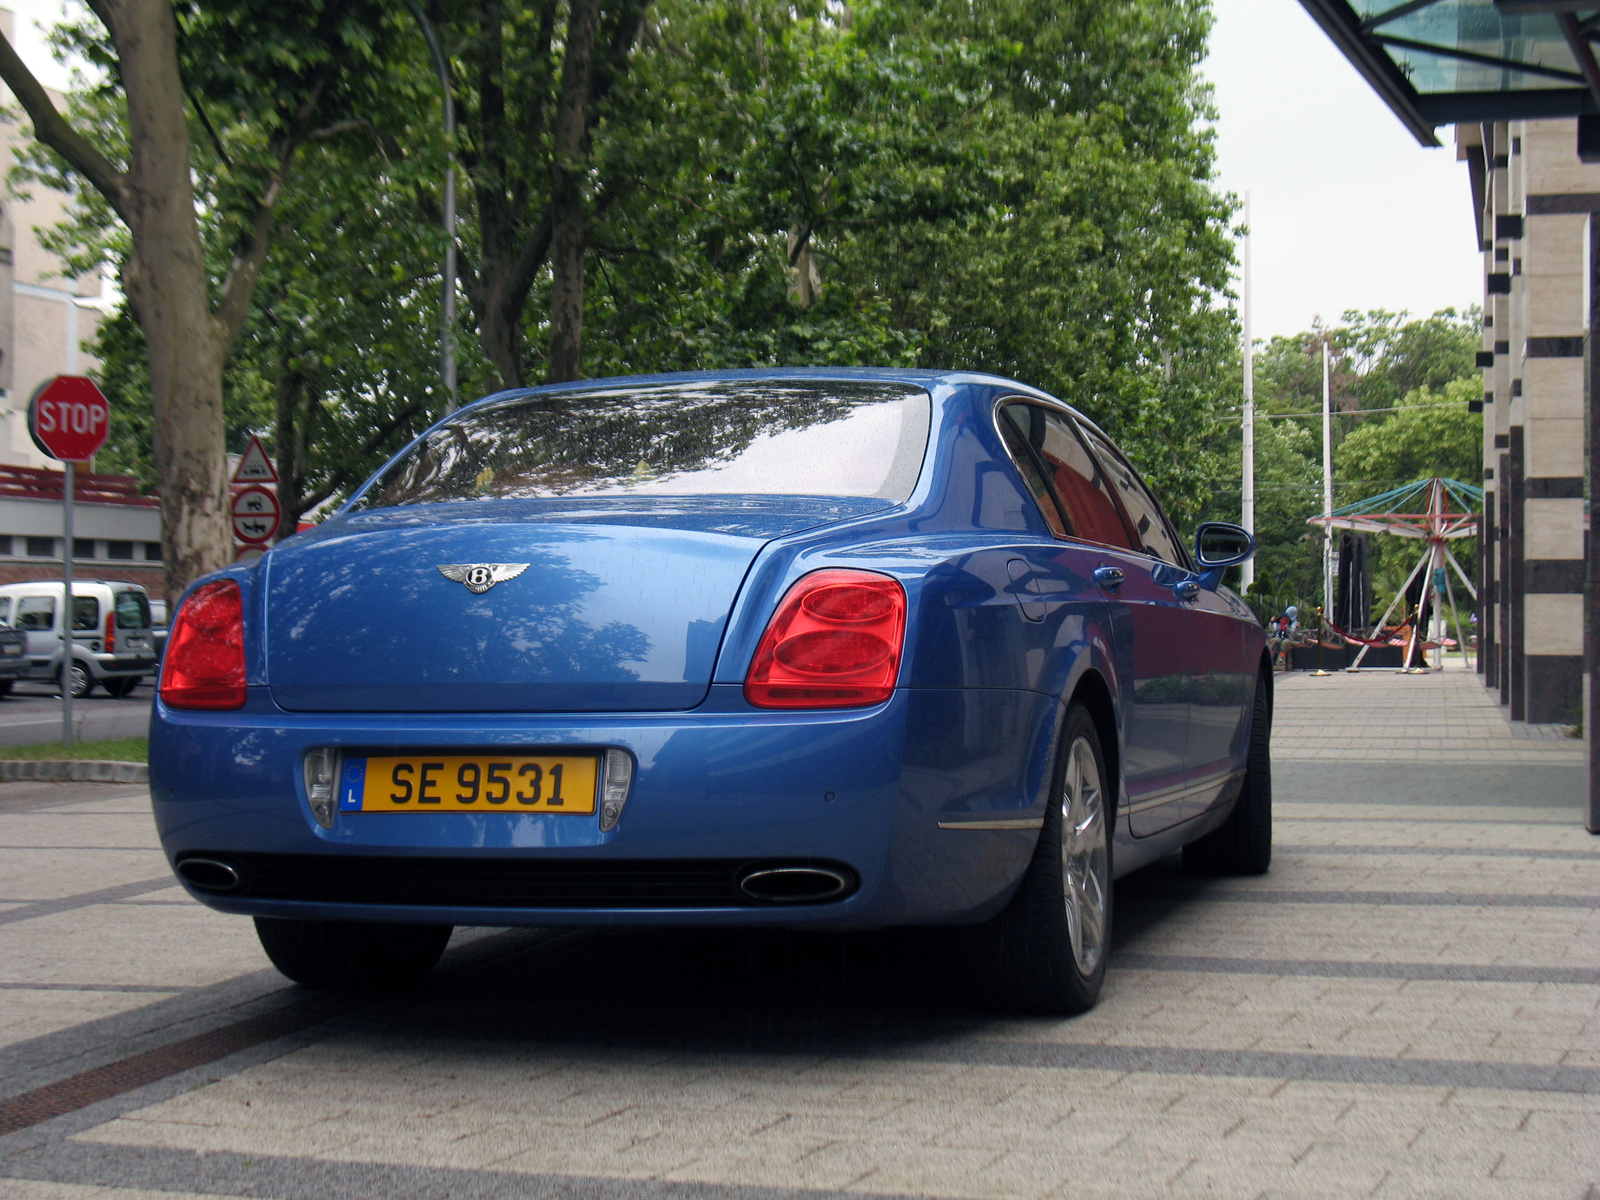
(76, 583)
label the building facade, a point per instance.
(1534, 199)
(46, 319)
(1519, 82)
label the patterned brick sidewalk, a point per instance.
(1385, 716)
(1408, 1005)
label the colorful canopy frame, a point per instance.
(1435, 511)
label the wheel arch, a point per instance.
(1094, 694)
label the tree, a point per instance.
(1432, 434)
(1374, 354)
(1021, 188)
(287, 69)
(1093, 264)
(529, 100)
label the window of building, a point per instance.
(5, 545)
(152, 551)
(1155, 534)
(119, 549)
(41, 547)
(83, 548)
(36, 614)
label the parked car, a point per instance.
(13, 658)
(814, 649)
(111, 640)
(158, 627)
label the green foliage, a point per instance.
(1424, 369)
(1431, 434)
(1092, 264)
(1022, 187)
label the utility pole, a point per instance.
(1247, 491)
(1327, 474)
(447, 332)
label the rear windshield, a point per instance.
(800, 437)
(133, 610)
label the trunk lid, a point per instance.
(620, 606)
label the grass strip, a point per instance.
(135, 749)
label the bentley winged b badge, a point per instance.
(480, 577)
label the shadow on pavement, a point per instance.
(767, 991)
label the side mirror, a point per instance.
(1219, 545)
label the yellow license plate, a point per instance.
(473, 783)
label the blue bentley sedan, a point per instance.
(815, 648)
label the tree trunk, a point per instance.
(500, 326)
(291, 419)
(804, 279)
(165, 280)
(164, 276)
(568, 164)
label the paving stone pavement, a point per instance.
(1406, 1006)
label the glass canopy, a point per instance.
(1437, 62)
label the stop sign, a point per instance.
(69, 418)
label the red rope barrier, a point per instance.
(1359, 641)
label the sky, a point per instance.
(1348, 211)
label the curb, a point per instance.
(75, 771)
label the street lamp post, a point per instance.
(1247, 491)
(447, 335)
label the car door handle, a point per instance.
(1109, 578)
(1189, 589)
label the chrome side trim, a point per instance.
(1184, 791)
(1012, 823)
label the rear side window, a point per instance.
(85, 613)
(132, 609)
(757, 437)
(1155, 535)
(1028, 467)
(36, 614)
(1073, 475)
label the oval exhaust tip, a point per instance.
(210, 875)
(795, 885)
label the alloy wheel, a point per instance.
(1084, 859)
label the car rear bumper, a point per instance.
(114, 666)
(872, 794)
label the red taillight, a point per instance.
(834, 643)
(111, 632)
(204, 665)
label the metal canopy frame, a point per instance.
(1563, 61)
(1435, 511)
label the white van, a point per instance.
(112, 643)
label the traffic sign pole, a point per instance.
(66, 612)
(69, 420)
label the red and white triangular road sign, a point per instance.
(254, 465)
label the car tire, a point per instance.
(352, 955)
(1047, 950)
(1242, 845)
(121, 687)
(5, 686)
(82, 681)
